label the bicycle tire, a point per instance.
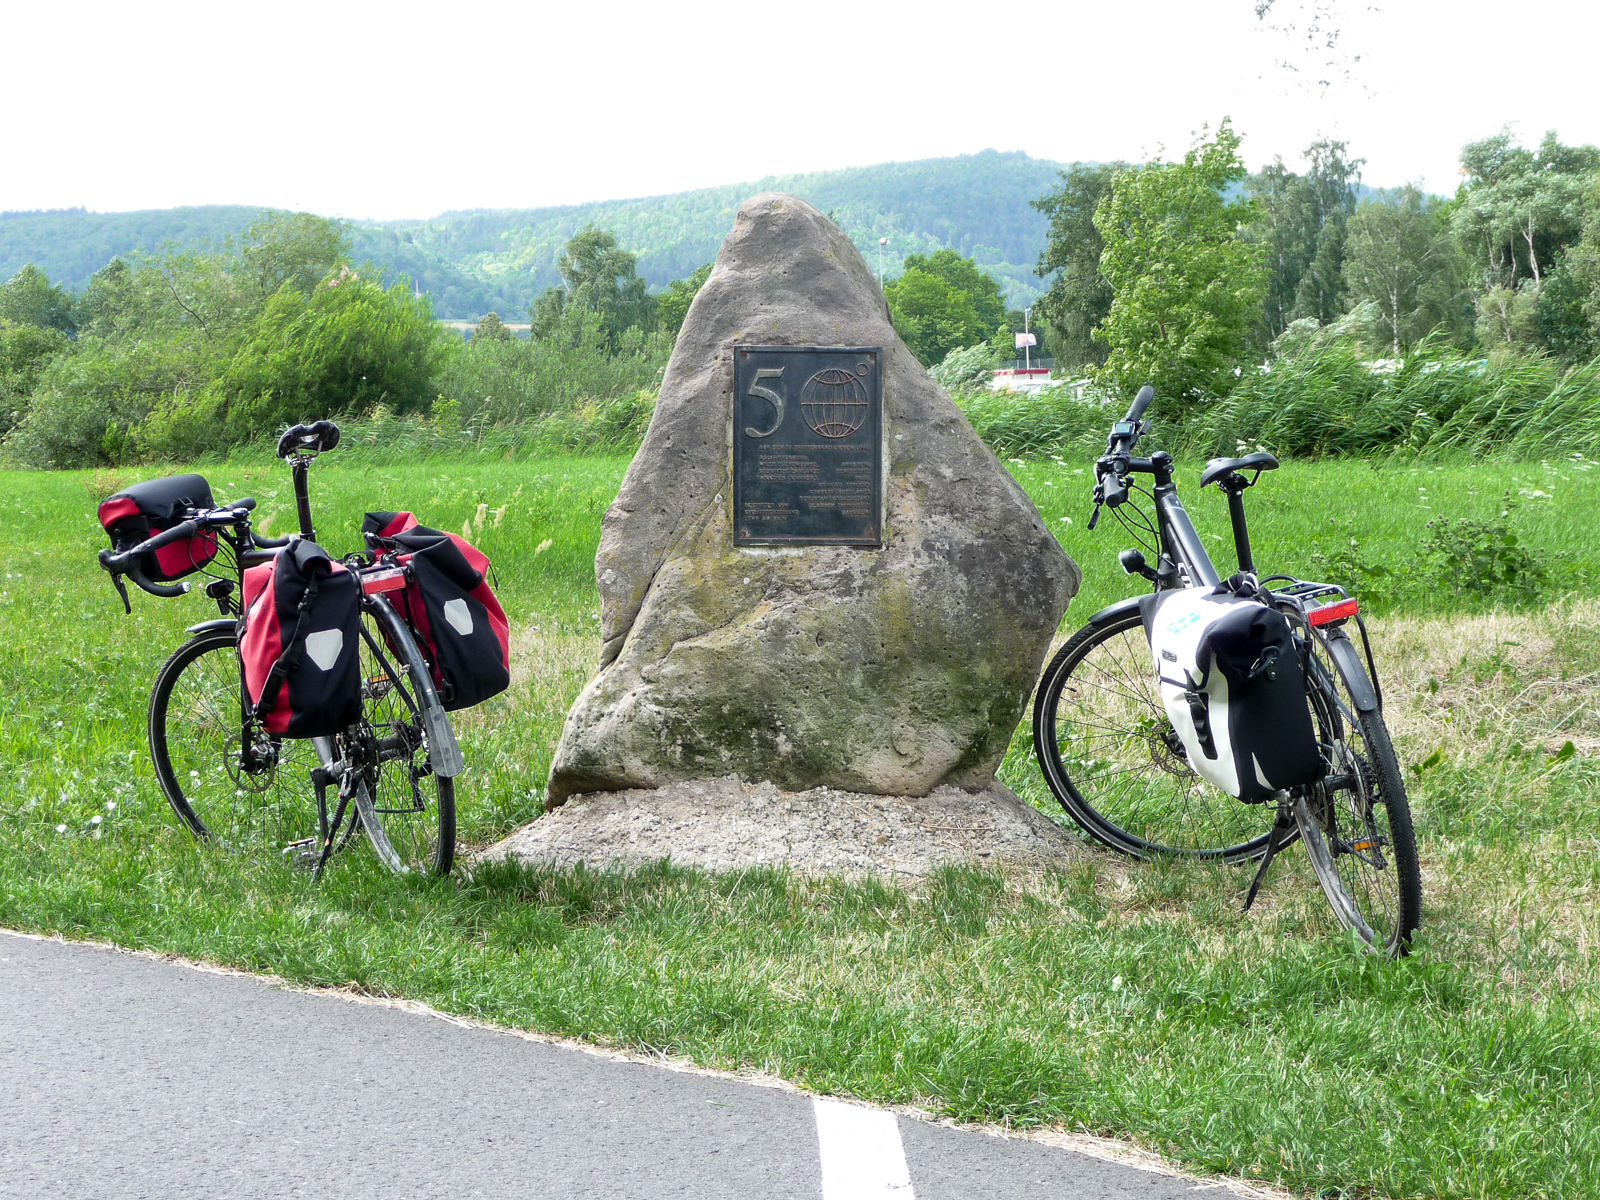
(1111, 757)
(195, 723)
(413, 807)
(1376, 894)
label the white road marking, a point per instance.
(862, 1158)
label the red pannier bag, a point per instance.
(451, 608)
(152, 507)
(301, 643)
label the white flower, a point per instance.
(111, 806)
(61, 828)
(194, 774)
(96, 819)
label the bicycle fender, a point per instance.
(228, 623)
(1112, 611)
(1348, 661)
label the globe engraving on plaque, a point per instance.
(834, 401)
(808, 446)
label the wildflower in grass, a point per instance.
(96, 819)
(61, 828)
(111, 806)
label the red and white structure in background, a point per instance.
(1026, 378)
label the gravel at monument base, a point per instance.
(723, 824)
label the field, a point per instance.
(1132, 1001)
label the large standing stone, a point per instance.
(891, 671)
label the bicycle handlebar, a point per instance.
(1111, 481)
(1141, 402)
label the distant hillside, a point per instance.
(471, 262)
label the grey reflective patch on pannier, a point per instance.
(459, 616)
(324, 646)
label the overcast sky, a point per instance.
(406, 110)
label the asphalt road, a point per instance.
(122, 1076)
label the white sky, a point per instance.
(405, 110)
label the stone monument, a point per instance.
(815, 579)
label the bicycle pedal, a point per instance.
(303, 855)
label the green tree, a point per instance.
(1186, 287)
(299, 250)
(1520, 208)
(933, 317)
(964, 275)
(1583, 265)
(672, 305)
(603, 278)
(25, 351)
(1300, 223)
(1396, 260)
(1079, 298)
(491, 328)
(29, 299)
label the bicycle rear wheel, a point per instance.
(412, 810)
(196, 723)
(1113, 760)
(1358, 832)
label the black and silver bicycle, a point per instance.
(390, 774)
(1112, 757)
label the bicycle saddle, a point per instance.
(1218, 467)
(308, 439)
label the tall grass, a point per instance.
(493, 382)
(1328, 402)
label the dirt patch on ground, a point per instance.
(724, 825)
(1473, 683)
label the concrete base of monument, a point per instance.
(727, 825)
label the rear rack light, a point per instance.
(391, 580)
(1339, 610)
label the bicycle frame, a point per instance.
(1181, 547)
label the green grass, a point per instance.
(1132, 1001)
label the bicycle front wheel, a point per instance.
(1114, 761)
(412, 811)
(196, 730)
(1356, 826)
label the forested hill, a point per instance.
(472, 262)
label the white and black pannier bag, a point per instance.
(1234, 689)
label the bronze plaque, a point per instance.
(807, 446)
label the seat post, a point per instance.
(299, 467)
(1234, 485)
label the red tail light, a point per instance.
(1340, 610)
(383, 581)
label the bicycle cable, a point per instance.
(1144, 526)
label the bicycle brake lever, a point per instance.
(1094, 517)
(122, 590)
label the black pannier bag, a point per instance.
(154, 506)
(301, 643)
(450, 607)
(1233, 687)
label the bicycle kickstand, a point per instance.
(1282, 828)
(330, 830)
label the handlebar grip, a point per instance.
(1141, 402)
(270, 543)
(245, 502)
(165, 590)
(1115, 489)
